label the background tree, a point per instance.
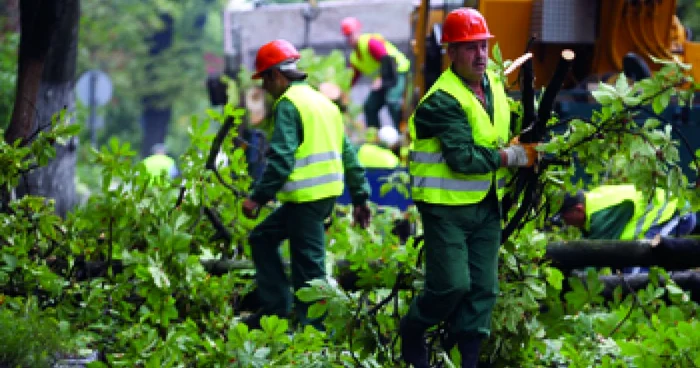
(153, 52)
(45, 82)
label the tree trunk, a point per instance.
(669, 253)
(45, 83)
(10, 9)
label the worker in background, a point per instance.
(623, 212)
(376, 152)
(457, 183)
(159, 163)
(308, 160)
(379, 59)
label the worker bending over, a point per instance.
(379, 59)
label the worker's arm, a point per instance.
(610, 222)
(355, 179)
(441, 116)
(355, 75)
(387, 69)
(286, 138)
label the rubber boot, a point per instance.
(469, 351)
(413, 350)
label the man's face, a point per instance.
(352, 38)
(469, 59)
(575, 216)
(272, 82)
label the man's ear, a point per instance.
(451, 51)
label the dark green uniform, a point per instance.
(392, 97)
(461, 241)
(301, 223)
(609, 223)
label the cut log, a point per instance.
(669, 253)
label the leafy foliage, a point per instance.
(126, 272)
(29, 339)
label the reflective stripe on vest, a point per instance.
(363, 61)
(646, 214)
(432, 180)
(318, 164)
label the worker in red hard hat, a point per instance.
(458, 176)
(308, 163)
(377, 58)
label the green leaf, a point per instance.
(10, 262)
(160, 278)
(555, 277)
(661, 101)
(317, 309)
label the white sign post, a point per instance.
(94, 88)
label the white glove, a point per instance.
(519, 155)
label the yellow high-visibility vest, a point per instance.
(646, 214)
(432, 180)
(373, 156)
(318, 162)
(157, 165)
(363, 61)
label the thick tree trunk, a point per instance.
(669, 253)
(46, 74)
(10, 9)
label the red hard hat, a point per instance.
(273, 53)
(350, 25)
(463, 25)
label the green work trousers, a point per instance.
(461, 268)
(302, 224)
(391, 97)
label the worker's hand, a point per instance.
(377, 84)
(251, 209)
(520, 155)
(361, 214)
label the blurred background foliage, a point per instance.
(117, 36)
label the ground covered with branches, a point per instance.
(129, 272)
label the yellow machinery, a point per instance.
(601, 33)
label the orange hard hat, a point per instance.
(273, 53)
(463, 25)
(350, 25)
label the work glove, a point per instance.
(251, 209)
(361, 214)
(519, 155)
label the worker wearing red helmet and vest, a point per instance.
(457, 181)
(308, 161)
(379, 59)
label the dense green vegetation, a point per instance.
(154, 303)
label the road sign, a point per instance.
(101, 85)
